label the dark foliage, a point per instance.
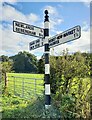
(24, 62)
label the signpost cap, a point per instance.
(46, 16)
(46, 11)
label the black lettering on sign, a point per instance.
(34, 33)
(32, 47)
(74, 31)
(22, 25)
(53, 39)
(53, 43)
(76, 35)
(36, 45)
(17, 24)
(59, 37)
(29, 32)
(69, 33)
(77, 29)
(18, 30)
(22, 30)
(29, 27)
(37, 41)
(26, 31)
(32, 43)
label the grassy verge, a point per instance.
(15, 107)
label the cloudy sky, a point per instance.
(63, 15)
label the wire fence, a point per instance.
(25, 87)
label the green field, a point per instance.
(25, 85)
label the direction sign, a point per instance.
(36, 44)
(64, 37)
(26, 29)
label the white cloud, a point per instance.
(85, 26)
(9, 13)
(55, 18)
(33, 17)
(13, 42)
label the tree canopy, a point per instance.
(24, 62)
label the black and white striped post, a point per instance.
(47, 65)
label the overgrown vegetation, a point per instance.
(70, 84)
(20, 108)
(71, 88)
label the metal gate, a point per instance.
(25, 87)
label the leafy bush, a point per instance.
(70, 80)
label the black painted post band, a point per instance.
(47, 66)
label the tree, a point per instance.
(7, 66)
(4, 58)
(24, 62)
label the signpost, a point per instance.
(26, 29)
(36, 44)
(47, 65)
(44, 40)
(64, 37)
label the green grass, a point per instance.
(19, 108)
(25, 85)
